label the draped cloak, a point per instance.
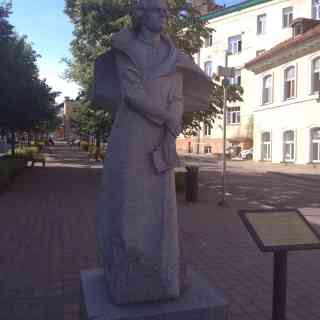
(137, 223)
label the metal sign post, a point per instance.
(279, 285)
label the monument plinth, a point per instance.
(199, 302)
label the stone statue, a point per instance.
(148, 84)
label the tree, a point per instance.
(87, 121)
(27, 102)
(6, 29)
(96, 21)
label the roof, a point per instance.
(232, 9)
(285, 45)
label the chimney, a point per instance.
(205, 6)
(67, 108)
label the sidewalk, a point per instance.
(207, 163)
(47, 235)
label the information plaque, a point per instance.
(276, 230)
(280, 231)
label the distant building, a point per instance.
(65, 131)
(246, 30)
(286, 94)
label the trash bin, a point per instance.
(192, 177)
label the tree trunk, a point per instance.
(29, 139)
(98, 144)
(13, 143)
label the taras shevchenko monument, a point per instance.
(148, 84)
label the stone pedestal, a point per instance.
(199, 302)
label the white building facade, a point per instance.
(287, 104)
(245, 30)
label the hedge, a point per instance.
(10, 167)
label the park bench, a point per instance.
(38, 158)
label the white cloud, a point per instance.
(57, 83)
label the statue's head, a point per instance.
(152, 14)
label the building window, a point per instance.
(207, 149)
(266, 146)
(261, 23)
(208, 68)
(316, 9)
(315, 75)
(267, 89)
(287, 17)
(235, 44)
(297, 29)
(288, 146)
(208, 41)
(289, 83)
(207, 130)
(315, 145)
(259, 52)
(233, 115)
(236, 79)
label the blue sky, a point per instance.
(50, 31)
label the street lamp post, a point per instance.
(226, 73)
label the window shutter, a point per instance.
(285, 21)
(290, 18)
(294, 88)
(261, 91)
(272, 88)
(316, 82)
(287, 90)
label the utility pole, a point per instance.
(226, 73)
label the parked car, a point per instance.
(246, 154)
(77, 142)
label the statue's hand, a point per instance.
(173, 127)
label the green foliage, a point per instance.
(87, 121)
(96, 153)
(84, 145)
(6, 29)
(192, 121)
(95, 22)
(93, 150)
(28, 152)
(10, 167)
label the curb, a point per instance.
(296, 176)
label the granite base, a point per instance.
(199, 302)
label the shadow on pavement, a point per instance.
(47, 235)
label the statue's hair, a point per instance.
(137, 13)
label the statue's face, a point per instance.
(155, 16)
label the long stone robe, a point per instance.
(137, 213)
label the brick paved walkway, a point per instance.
(47, 235)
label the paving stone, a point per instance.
(47, 235)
